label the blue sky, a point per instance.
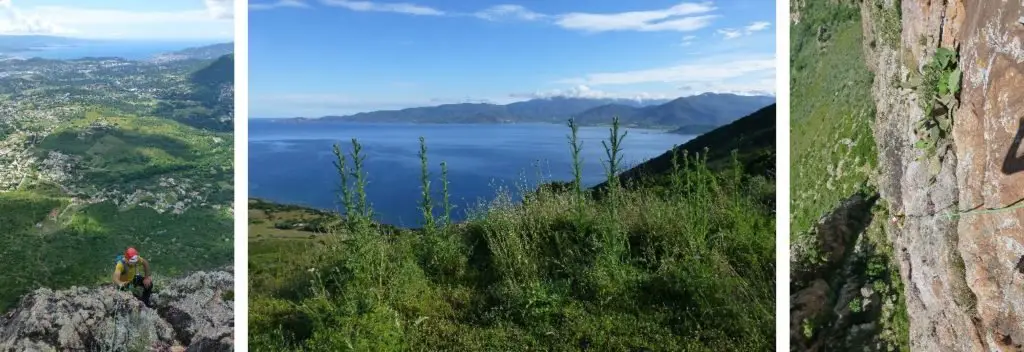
(318, 57)
(169, 20)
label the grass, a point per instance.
(686, 264)
(79, 246)
(833, 149)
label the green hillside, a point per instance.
(206, 99)
(78, 245)
(87, 172)
(131, 153)
(685, 266)
(752, 138)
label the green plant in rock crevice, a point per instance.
(937, 88)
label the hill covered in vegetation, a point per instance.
(89, 166)
(685, 264)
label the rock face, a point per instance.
(191, 314)
(964, 291)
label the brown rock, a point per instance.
(987, 131)
(964, 289)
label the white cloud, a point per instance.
(758, 26)
(683, 17)
(712, 74)
(221, 9)
(730, 33)
(676, 18)
(733, 33)
(584, 91)
(515, 12)
(751, 87)
(280, 4)
(13, 21)
(688, 40)
(406, 8)
(212, 22)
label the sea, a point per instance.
(131, 50)
(292, 162)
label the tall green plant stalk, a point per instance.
(576, 146)
(615, 242)
(577, 159)
(737, 170)
(344, 192)
(426, 205)
(612, 150)
(445, 198)
(362, 206)
(677, 172)
(710, 176)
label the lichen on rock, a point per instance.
(189, 314)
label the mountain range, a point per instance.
(207, 52)
(706, 110)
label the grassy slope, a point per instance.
(752, 136)
(833, 149)
(684, 267)
(79, 246)
(140, 150)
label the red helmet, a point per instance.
(131, 254)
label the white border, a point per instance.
(782, 175)
(241, 333)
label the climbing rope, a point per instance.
(1019, 204)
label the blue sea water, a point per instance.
(132, 50)
(291, 162)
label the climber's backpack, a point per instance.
(124, 266)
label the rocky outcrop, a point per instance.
(193, 313)
(959, 240)
(843, 298)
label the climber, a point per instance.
(126, 273)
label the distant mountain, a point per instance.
(208, 99)
(708, 109)
(557, 109)
(208, 52)
(693, 130)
